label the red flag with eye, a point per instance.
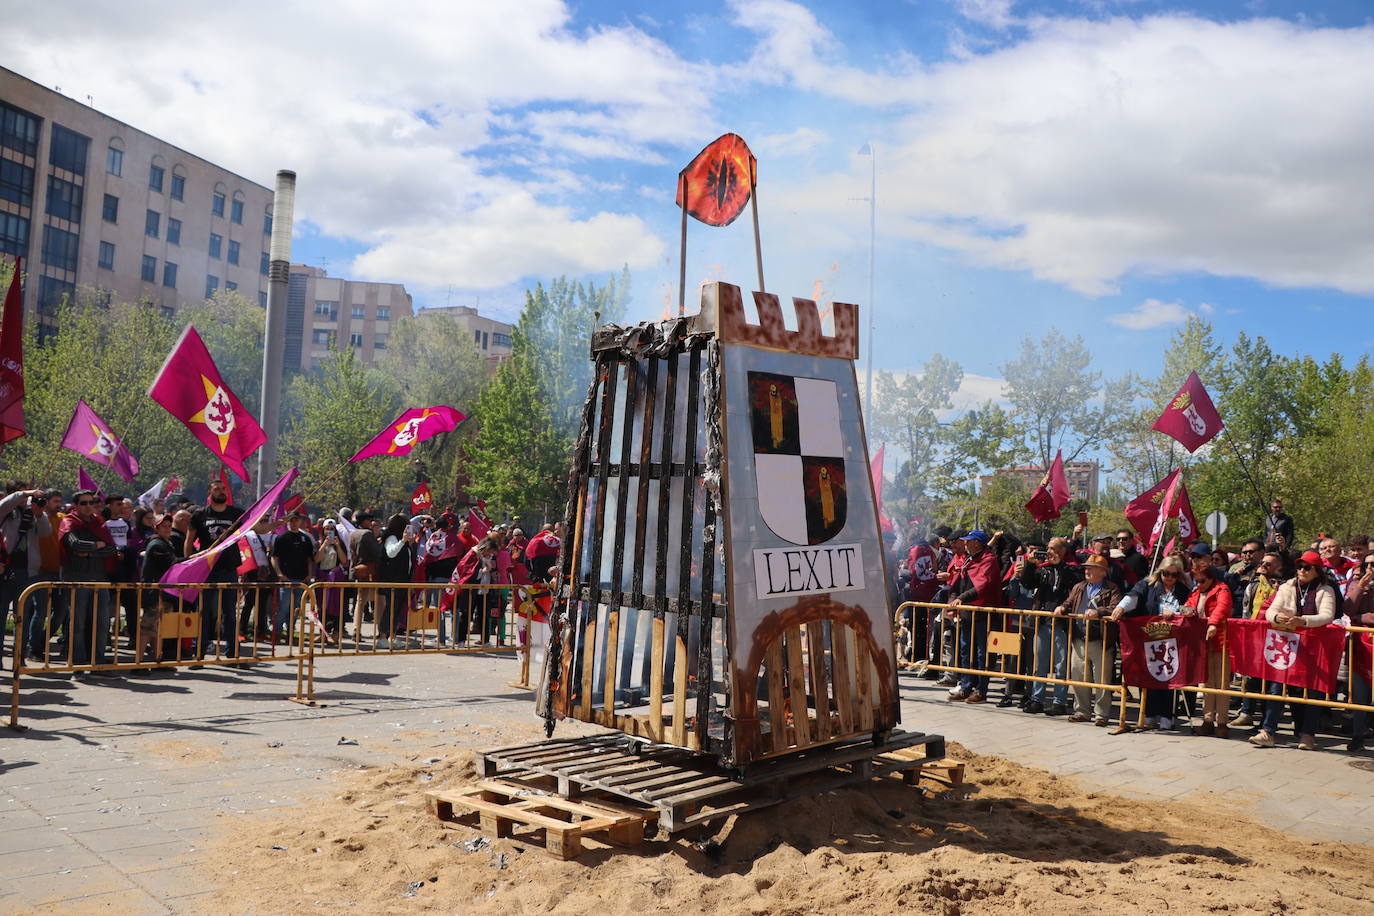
(718, 182)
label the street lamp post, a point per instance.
(870, 150)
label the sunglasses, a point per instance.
(88, 502)
(1129, 537)
(1301, 566)
(1168, 575)
(1252, 550)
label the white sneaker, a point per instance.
(383, 644)
(1165, 722)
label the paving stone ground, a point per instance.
(108, 799)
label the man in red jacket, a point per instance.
(978, 583)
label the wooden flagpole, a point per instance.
(682, 250)
(754, 211)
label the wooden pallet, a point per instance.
(686, 789)
(501, 805)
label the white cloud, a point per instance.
(995, 14)
(399, 118)
(975, 390)
(1088, 151)
(1149, 315)
(795, 143)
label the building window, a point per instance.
(64, 199)
(267, 224)
(51, 293)
(355, 340)
(216, 242)
(383, 313)
(500, 340)
(320, 338)
(16, 182)
(262, 300)
(149, 269)
(236, 212)
(230, 285)
(357, 311)
(262, 266)
(14, 234)
(18, 130)
(173, 230)
(110, 210)
(60, 248)
(379, 343)
(484, 340)
(178, 187)
(107, 255)
(217, 204)
(327, 309)
(233, 252)
(114, 161)
(169, 274)
(477, 336)
(152, 224)
(68, 150)
(155, 175)
(211, 284)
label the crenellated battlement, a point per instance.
(722, 311)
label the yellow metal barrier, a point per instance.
(1007, 643)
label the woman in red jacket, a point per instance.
(1211, 598)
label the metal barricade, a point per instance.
(92, 629)
(1042, 647)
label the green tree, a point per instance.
(983, 439)
(906, 415)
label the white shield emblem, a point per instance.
(1161, 658)
(408, 432)
(1185, 527)
(103, 445)
(1196, 422)
(1281, 649)
(798, 456)
(219, 413)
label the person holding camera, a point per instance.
(1049, 577)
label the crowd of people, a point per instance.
(1086, 586)
(113, 552)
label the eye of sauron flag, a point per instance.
(718, 181)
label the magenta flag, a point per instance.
(191, 389)
(90, 436)
(196, 568)
(84, 482)
(410, 429)
(1190, 417)
(12, 424)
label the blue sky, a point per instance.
(1109, 167)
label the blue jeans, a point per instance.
(1360, 695)
(1051, 646)
(1305, 717)
(973, 647)
(36, 613)
(289, 598)
(91, 626)
(219, 612)
(433, 598)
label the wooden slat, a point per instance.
(665, 487)
(777, 722)
(704, 783)
(627, 782)
(612, 659)
(840, 658)
(680, 673)
(796, 687)
(646, 447)
(656, 637)
(507, 752)
(863, 679)
(588, 662)
(815, 647)
(639, 787)
(528, 756)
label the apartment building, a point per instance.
(324, 313)
(1082, 476)
(492, 337)
(93, 203)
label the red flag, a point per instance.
(718, 181)
(1143, 511)
(1190, 417)
(1362, 654)
(1167, 505)
(409, 430)
(1309, 657)
(1160, 652)
(421, 500)
(12, 362)
(1187, 522)
(477, 525)
(191, 389)
(1050, 498)
(875, 471)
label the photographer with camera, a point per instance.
(1049, 577)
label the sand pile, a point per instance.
(1022, 841)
